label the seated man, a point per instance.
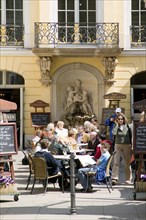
(100, 166)
(51, 161)
(56, 165)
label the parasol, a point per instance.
(6, 106)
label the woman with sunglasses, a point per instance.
(123, 138)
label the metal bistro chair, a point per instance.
(41, 173)
(107, 178)
(31, 170)
(28, 159)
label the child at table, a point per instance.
(99, 167)
(102, 138)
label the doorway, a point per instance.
(138, 91)
(13, 95)
(11, 89)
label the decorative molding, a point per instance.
(45, 64)
(110, 64)
(109, 82)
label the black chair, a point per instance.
(107, 178)
(31, 169)
(41, 173)
(28, 159)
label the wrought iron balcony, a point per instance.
(11, 35)
(138, 36)
(102, 35)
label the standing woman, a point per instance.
(123, 137)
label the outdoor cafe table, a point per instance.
(85, 160)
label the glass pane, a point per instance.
(18, 4)
(9, 4)
(13, 78)
(70, 17)
(83, 4)
(1, 78)
(91, 4)
(135, 18)
(83, 17)
(61, 4)
(70, 4)
(92, 17)
(19, 18)
(10, 17)
(61, 16)
(135, 4)
(143, 7)
(143, 18)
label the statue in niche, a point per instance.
(77, 101)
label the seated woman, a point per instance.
(93, 142)
(72, 143)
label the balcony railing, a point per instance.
(101, 34)
(138, 36)
(11, 35)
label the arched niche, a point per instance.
(92, 80)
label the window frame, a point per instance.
(4, 13)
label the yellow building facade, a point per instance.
(46, 45)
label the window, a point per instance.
(10, 78)
(11, 19)
(11, 12)
(80, 12)
(138, 18)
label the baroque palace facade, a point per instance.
(48, 45)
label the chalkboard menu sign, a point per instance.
(139, 139)
(108, 112)
(8, 139)
(40, 119)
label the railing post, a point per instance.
(72, 184)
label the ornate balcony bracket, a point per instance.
(45, 64)
(110, 64)
(109, 82)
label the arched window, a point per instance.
(10, 78)
(138, 84)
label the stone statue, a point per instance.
(77, 100)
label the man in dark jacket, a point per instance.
(110, 122)
(52, 163)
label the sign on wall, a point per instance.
(40, 119)
(108, 112)
(139, 138)
(8, 139)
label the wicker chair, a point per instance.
(91, 174)
(41, 173)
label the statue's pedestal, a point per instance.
(73, 120)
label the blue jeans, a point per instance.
(83, 177)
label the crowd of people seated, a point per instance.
(59, 139)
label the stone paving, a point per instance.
(55, 205)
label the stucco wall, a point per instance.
(27, 67)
